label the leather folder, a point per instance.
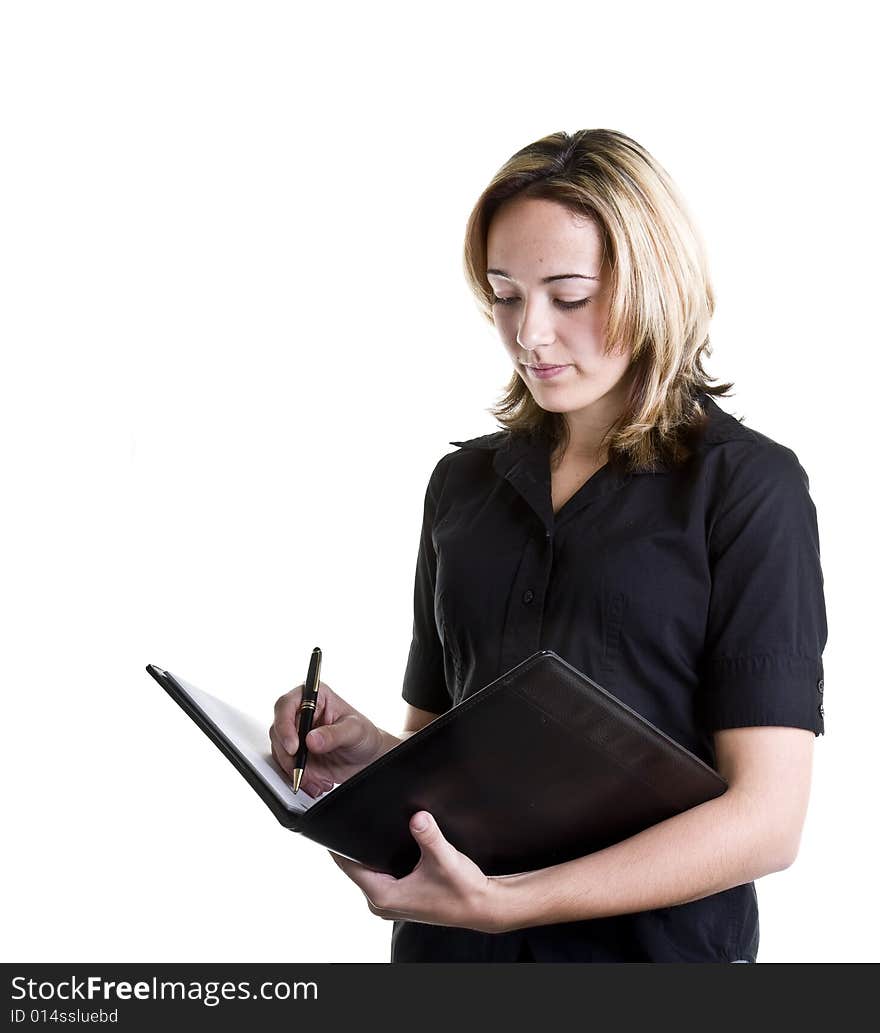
(539, 767)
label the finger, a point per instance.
(316, 788)
(349, 731)
(285, 719)
(369, 880)
(281, 756)
(434, 847)
(286, 714)
(380, 889)
(314, 785)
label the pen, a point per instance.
(306, 714)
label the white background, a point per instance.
(237, 338)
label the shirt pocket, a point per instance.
(654, 603)
(614, 608)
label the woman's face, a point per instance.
(557, 323)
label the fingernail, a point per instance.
(420, 823)
(316, 739)
(290, 746)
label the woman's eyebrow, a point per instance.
(546, 279)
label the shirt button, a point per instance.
(528, 595)
(820, 685)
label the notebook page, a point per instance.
(251, 739)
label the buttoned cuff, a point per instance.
(763, 690)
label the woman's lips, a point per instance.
(547, 372)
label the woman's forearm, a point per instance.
(709, 848)
(389, 741)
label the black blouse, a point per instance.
(694, 594)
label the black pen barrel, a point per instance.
(306, 715)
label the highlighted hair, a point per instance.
(661, 299)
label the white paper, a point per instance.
(251, 739)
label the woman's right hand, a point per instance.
(340, 743)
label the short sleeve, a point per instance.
(766, 627)
(424, 681)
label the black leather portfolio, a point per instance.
(539, 767)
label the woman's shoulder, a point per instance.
(470, 459)
(467, 452)
(743, 456)
(489, 442)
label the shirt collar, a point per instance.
(722, 426)
(523, 460)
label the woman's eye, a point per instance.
(562, 304)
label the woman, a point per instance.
(624, 520)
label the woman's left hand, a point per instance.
(444, 888)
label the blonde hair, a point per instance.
(661, 299)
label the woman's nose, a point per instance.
(536, 327)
